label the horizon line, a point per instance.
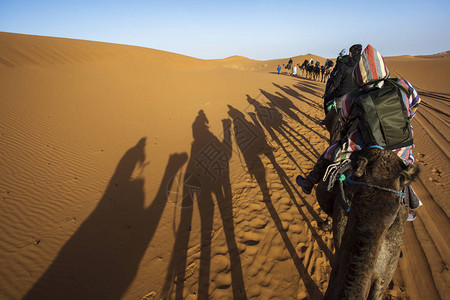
(445, 52)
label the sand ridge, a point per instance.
(97, 140)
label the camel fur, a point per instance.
(369, 237)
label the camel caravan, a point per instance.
(364, 177)
(310, 70)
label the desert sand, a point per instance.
(97, 140)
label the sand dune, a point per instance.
(97, 139)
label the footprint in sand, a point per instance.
(276, 186)
(240, 186)
(285, 216)
(221, 250)
(242, 217)
(275, 196)
(256, 207)
(188, 273)
(254, 291)
(251, 251)
(241, 247)
(419, 157)
(259, 223)
(251, 238)
(256, 266)
(150, 296)
(284, 204)
(285, 226)
(220, 263)
(259, 198)
(295, 229)
(435, 181)
(279, 253)
(222, 281)
(436, 172)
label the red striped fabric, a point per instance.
(371, 60)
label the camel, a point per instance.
(302, 67)
(312, 72)
(327, 73)
(369, 237)
(289, 68)
(322, 73)
(316, 73)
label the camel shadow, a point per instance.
(101, 259)
(272, 120)
(287, 107)
(308, 87)
(291, 92)
(207, 174)
(244, 131)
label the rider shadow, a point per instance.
(283, 104)
(310, 85)
(207, 173)
(291, 189)
(291, 92)
(288, 108)
(101, 259)
(272, 120)
(244, 132)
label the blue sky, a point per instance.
(255, 29)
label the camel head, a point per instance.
(383, 167)
(380, 168)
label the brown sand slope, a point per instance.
(97, 138)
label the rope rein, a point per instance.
(349, 181)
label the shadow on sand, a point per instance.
(287, 107)
(302, 86)
(101, 259)
(207, 173)
(272, 120)
(247, 131)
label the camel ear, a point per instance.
(360, 167)
(408, 174)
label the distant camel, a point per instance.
(289, 68)
(316, 73)
(302, 68)
(309, 71)
(327, 74)
(322, 72)
(368, 238)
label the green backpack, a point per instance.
(383, 116)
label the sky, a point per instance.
(255, 29)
